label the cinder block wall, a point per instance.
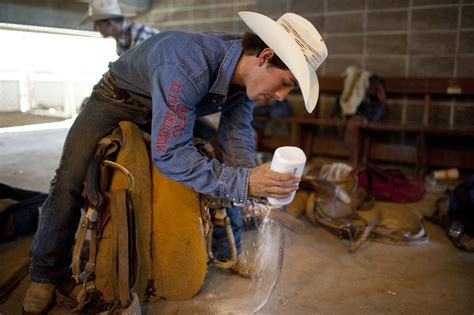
(392, 38)
(407, 38)
(50, 13)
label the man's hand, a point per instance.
(264, 182)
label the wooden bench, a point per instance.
(305, 130)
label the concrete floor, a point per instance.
(318, 276)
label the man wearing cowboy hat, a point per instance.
(172, 79)
(109, 20)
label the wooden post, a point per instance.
(420, 154)
(426, 110)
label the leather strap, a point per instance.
(88, 223)
(132, 241)
(95, 175)
(363, 237)
(121, 247)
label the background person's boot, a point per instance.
(38, 298)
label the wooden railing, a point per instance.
(305, 131)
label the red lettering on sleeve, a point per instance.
(175, 120)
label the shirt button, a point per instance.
(219, 107)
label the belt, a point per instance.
(108, 85)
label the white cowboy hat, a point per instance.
(298, 44)
(102, 9)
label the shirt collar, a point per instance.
(226, 69)
(123, 42)
(125, 27)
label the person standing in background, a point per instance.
(109, 20)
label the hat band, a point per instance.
(313, 58)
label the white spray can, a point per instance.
(287, 160)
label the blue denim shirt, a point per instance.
(183, 76)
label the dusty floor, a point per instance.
(10, 119)
(319, 276)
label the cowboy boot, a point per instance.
(244, 267)
(38, 298)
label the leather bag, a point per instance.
(390, 185)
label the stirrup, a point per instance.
(220, 218)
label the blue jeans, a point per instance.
(220, 243)
(51, 251)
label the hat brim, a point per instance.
(310, 103)
(97, 17)
(288, 51)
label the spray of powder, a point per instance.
(268, 257)
(225, 293)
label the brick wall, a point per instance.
(403, 38)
